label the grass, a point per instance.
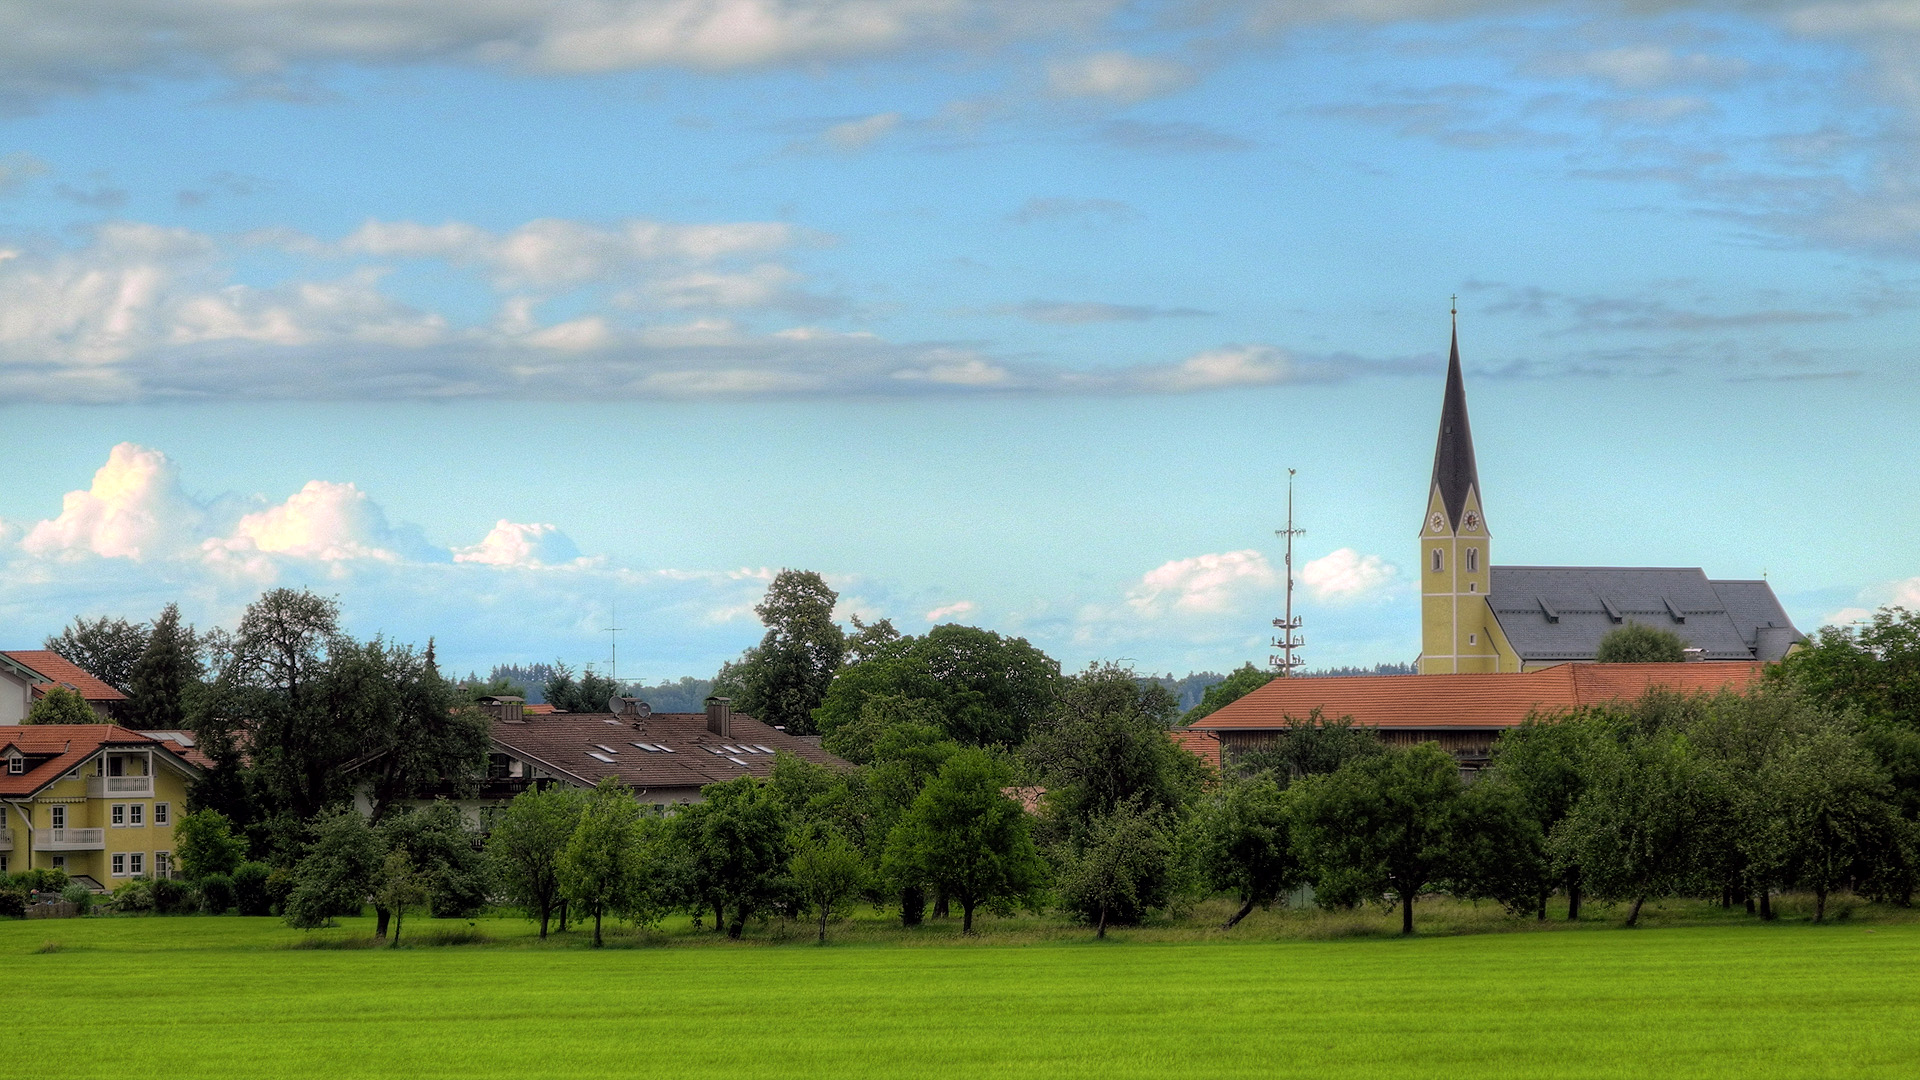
(1698, 993)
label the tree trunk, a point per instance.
(1633, 914)
(1245, 909)
(739, 923)
(941, 910)
(1543, 904)
(1406, 913)
(546, 912)
(1573, 897)
(913, 906)
(1726, 898)
(966, 916)
(1101, 933)
(596, 926)
(1749, 901)
(564, 912)
(823, 924)
(720, 918)
(1766, 905)
(381, 916)
(395, 943)
(1819, 905)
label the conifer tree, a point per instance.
(164, 675)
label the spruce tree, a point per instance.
(163, 674)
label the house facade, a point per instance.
(95, 800)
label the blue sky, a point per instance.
(488, 318)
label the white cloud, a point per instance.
(323, 521)
(948, 611)
(1250, 365)
(859, 134)
(1202, 585)
(512, 543)
(1644, 66)
(1117, 76)
(1345, 576)
(134, 510)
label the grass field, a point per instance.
(1301, 994)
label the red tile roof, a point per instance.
(1204, 744)
(69, 745)
(58, 669)
(1468, 701)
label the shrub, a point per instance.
(41, 880)
(79, 896)
(279, 887)
(171, 897)
(13, 902)
(134, 896)
(252, 894)
(216, 894)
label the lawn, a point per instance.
(226, 997)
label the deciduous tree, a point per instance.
(1637, 643)
(1244, 842)
(106, 648)
(526, 844)
(61, 705)
(966, 837)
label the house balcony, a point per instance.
(119, 787)
(6, 840)
(69, 839)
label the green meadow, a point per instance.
(1696, 993)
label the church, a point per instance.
(1476, 617)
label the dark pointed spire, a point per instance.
(1453, 469)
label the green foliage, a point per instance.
(1313, 746)
(1123, 865)
(1241, 682)
(172, 897)
(1874, 670)
(609, 864)
(166, 675)
(79, 896)
(251, 895)
(1544, 764)
(1243, 840)
(1105, 744)
(41, 879)
(446, 855)
(217, 894)
(133, 897)
(526, 844)
(337, 873)
(968, 839)
(588, 694)
(784, 678)
(1637, 643)
(60, 705)
(398, 885)
(203, 843)
(827, 872)
(13, 902)
(1385, 824)
(733, 847)
(106, 648)
(981, 688)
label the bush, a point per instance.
(79, 896)
(216, 894)
(252, 893)
(40, 880)
(133, 897)
(171, 897)
(13, 902)
(279, 888)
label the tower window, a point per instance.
(1473, 559)
(1473, 639)
(1437, 556)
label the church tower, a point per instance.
(1456, 626)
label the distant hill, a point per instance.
(686, 694)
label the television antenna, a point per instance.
(1283, 662)
(613, 662)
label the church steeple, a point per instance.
(1453, 470)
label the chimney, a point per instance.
(509, 709)
(1693, 656)
(720, 716)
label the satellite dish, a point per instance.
(641, 708)
(628, 706)
(616, 705)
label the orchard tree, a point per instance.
(526, 844)
(605, 866)
(1243, 838)
(1544, 763)
(1311, 746)
(337, 872)
(1636, 832)
(203, 843)
(981, 688)
(827, 873)
(1837, 813)
(1383, 824)
(734, 847)
(1873, 669)
(1637, 643)
(964, 836)
(1105, 744)
(398, 885)
(1123, 864)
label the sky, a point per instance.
(512, 321)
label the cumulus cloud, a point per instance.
(323, 521)
(1117, 76)
(1346, 576)
(1202, 585)
(948, 611)
(134, 510)
(512, 543)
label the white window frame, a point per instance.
(3, 863)
(136, 863)
(161, 815)
(163, 864)
(59, 862)
(16, 766)
(57, 816)
(117, 815)
(119, 864)
(136, 815)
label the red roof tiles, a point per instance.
(62, 747)
(55, 668)
(1204, 744)
(1468, 701)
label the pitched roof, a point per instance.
(1453, 468)
(66, 746)
(587, 747)
(52, 667)
(1203, 744)
(1467, 701)
(1555, 613)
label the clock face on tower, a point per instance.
(1438, 522)
(1471, 521)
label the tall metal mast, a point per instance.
(614, 632)
(1284, 661)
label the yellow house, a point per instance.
(1476, 617)
(95, 800)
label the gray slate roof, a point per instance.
(1453, 468)
(1557, 613)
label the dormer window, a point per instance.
(16, 766)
